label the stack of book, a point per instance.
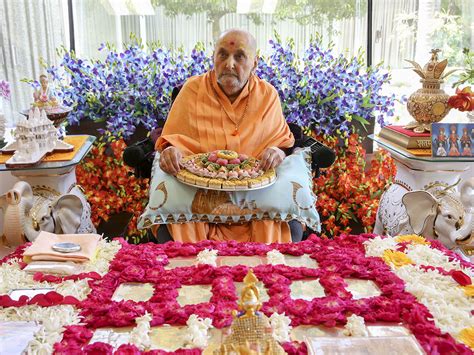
(415, 143)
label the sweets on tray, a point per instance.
(224, 169)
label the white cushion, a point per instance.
(290, 197)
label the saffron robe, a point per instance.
(202, 119)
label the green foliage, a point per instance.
(302, 11)
(467, 76)
(450, 35)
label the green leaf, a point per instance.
(362, 120)
(327, 98)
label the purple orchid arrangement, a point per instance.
(319, 90)
(326, 92)
(126, 89)
(5, 90)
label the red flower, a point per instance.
(127, 349)
(99, 349)
(461, 278)
(463, 100)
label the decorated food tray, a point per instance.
(224, 170)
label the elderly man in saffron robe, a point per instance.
(228, 107)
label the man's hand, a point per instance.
(169, 160)
(271, 158)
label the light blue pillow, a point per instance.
(290, 197)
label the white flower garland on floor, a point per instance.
(13, 277)
(376, 246)
(197, 333)
(105, 255)
(53, 320)
(274, 257)
(355, 327)
(140, 335)
(281, 327)
(446, 301)
(424, 255)
(207, 256)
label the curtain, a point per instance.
(29, 30)
(95, 23)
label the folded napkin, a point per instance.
(41, 249)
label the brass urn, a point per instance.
(430, 103)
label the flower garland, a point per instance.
(67, 290)
(437, 288)
(53, 320)
(431, 299)
(343, 257)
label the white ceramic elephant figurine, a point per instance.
(435, 213)
(65, 214)
(14, 204)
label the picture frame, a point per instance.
(452, 140)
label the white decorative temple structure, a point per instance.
(35, 137)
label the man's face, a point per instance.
(234, 60)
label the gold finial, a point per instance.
(250, 332)
(250, 296)
(434, 54)
(432, 70)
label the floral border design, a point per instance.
(340, 258)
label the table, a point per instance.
(47, 179)
(57, 175)
(417, 173)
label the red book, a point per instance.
(406, 138)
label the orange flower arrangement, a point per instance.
(463, 100)
(110, 185)
(348, 190)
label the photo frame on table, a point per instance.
(452, 140)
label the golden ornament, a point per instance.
(430, 103)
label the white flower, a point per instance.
(207, 256)
(449, 305)
(281, 327)
(140, 335)
(197, 333)
(355, 326)
(377, 245)
(274, 257)
(106, 253)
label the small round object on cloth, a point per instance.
(66, 247)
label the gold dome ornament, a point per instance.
(430, 103)
(251, 333)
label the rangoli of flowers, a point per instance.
(426, 295)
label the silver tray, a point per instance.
(229, 190)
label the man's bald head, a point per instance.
(235, 59)
(234, 34)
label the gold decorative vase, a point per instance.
(430, 103)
